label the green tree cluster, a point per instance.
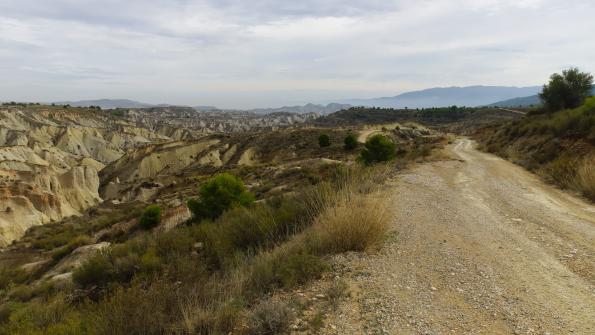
(567, 90)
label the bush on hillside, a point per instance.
(378, 148)
(324, 140)
(350, 142)
(151, 217)
(219, 194)
(270, 317)
(567, 90)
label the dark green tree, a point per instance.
(151, 217)
(350, 142)
(378, 148)
(566, 90)
(324, 140)
(217, 195)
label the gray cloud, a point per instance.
(236, 53)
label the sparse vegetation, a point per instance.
(72, 245)
(270, 318)
(558, 145)
(336, 291)
(205, 278)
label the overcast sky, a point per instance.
(265, 53)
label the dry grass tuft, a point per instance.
(585, 177)
(355, 225)
(269, 318)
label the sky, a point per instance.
(265, 53)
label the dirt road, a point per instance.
(480, 246)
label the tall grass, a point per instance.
(585, 176)
(355, 225)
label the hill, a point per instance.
(532, 100)
(307, 108)
(106, 103)
(448, 96)
(450, 119)
(559, 146)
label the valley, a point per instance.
(416, 236)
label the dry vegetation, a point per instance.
(209, 278)
(559, 146)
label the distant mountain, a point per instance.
(107, 103)
(126, 103)
(206, 108)
(448, 96)
(308, 108)
(531, 100)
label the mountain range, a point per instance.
(448, 96)
(108, 103)
(527, 101)
(433, 97)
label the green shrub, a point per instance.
(219, 194)
(324, 140)
(246, 231)
(350, 142)
(283, 267)
(11, 275)
(151, 217)
(96, 270)
(140, 309)
(54, 317)
(378, 148)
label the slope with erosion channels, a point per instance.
(49, 162)
(170, 170)
(50, 155)
(558, 146)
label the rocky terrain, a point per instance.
(168, 120)
(49, 162)
(50, 156)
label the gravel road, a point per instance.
(479, 246)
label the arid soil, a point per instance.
(478, 246)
